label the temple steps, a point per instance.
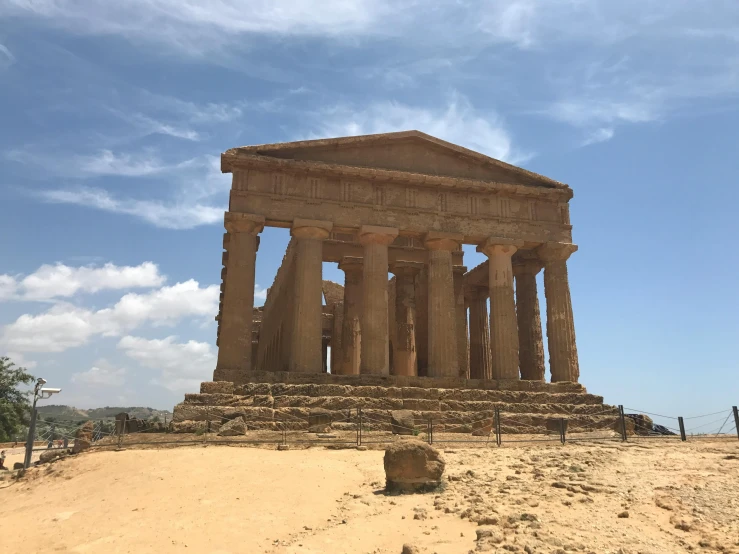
(279, 406)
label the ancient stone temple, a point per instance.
(393, 210)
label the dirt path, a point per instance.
(606, 498)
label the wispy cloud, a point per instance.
(160, 213)
(6, 56)
(456, 122)
(101, 374)
(599, 135)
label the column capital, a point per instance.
(435, 240)
(310, 229)
(496, 246)
(235, 222)
(527, 267)
(401, 267)
(349, 264)
(459, 269)
(372, 234)
(555, 251)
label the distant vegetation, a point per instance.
(69, 413)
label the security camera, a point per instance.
(47, 392)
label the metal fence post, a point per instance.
(682, 428)
(562, 429)
(498, 438)
(622, 417)
(736, 420)
(359, 439)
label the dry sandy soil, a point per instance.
(646, 497)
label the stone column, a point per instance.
(404, 355)
(422, 323)
(375, 341)
(442, 327)
(503, 323)
(480, 363)
(351, 338)
(530, 343)
(234, 350)
(563, 362)
(307, 333)
(460, 310)
(337, 338)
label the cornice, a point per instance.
(233, 160)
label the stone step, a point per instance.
(378, 409)
(343, 391)
(378, 421)
(293, 378)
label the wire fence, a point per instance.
(359, 427)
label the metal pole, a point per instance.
(359, 443)
(736, 420)
(562, 429)
(622, 417)
(682, 428)
(431, 429)
(498, 437)
(31, 435)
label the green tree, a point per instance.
(15, 404)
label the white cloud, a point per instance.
(183, 365)
(457, 122)
(179, 214)
(599, 135)
(65, 326)
(260, 293)
(20, 360)
(101, 374)
(6, 56)
(195, 27)
(59, 280)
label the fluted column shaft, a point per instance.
(503, 323)
(404, 355)
(306, 338)
(422, 323)
(375, 341)
(234, 341)
(351, 333)
(460, 317)
(442, 327)
(480, 363)
(530, 341)
(563, 362)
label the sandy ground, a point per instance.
(650, 496)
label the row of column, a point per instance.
(493, 353)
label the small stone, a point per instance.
(283, 447)
(410, 549)
(624, 514)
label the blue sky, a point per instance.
(113, 116)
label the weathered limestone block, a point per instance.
(217, 387)
(319, 420)
(427, 394)
(554, 424)
(412, 466)
(402, 422)
(83, 439)
(187, 426)
(51, 455)
(375, 392)
(420, 404)
(483, 427)
(643, 424)
(249, 389)
(233, 428)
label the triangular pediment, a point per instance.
(410, 151)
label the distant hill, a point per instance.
(70, 413)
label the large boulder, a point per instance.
(643, 424)
(402, 422)
(83, 438)
(51, 455)
(319, 420)
(233, 428)
(412, 466)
